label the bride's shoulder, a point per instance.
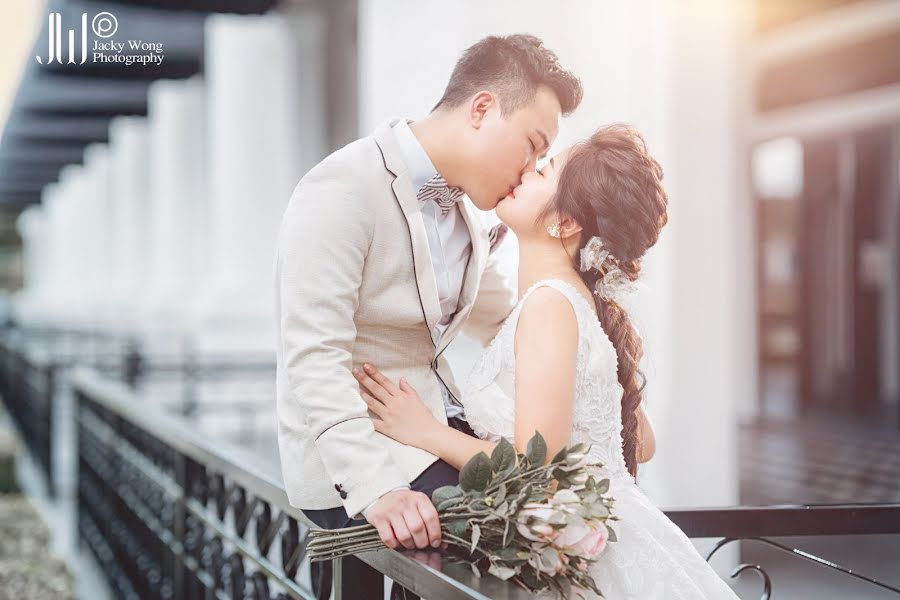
(556, 291)
(547, 311)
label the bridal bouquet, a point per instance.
(538, 525)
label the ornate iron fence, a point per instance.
(757, 524)
(168, 515)
(26, 385)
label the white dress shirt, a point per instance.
(449, 244)
(448, 240)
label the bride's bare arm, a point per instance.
(455, 447)
(646, 438)
(400, 414)
(546, 346)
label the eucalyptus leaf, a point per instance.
(476, 473)
(457, 528)
(476, 535)
(612, 534)
(500, 496)
(446, 504)
(561, 455)
(505, 554)
(503, 456)
(444, 493)
(536, 450)
(530, 577)
(581, 448)
(501, 572)
(592, 585)
(556, 586)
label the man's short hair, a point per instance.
(512, 67)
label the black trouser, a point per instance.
(359, 580)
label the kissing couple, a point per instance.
(383, 258)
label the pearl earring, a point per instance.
(553, 230)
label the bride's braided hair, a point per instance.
(613, 188)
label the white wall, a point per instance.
(667, 68)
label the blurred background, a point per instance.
(140, 199)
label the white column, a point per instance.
(96, 236)
(129, 223)
(28, 303)
(176, 196)
(53, 200)
(254, 162)
(69, 228)
(305, 90)
(709, 372)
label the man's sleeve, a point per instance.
(365, 512)
(322, 247)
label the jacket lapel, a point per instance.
(474, 268)
(418, 237)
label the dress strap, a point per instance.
(566, 288)
(579, 303)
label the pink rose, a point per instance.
(594, 542)
(571, 534)
(537, 533)
(585, 539)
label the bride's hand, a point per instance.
(400, 413)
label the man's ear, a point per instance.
(479, 106)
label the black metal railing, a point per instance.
(26, 384)
(169, 515)
(756, 525)
(32, 359)
(192, 370)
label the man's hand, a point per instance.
(405, 518)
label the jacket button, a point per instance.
(340, 490)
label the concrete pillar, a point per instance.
(29, 302)
(175, 201)
(129, 223)
(95, 236)
(254, 142)
(68, 226)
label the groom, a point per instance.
(382, 259)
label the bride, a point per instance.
(565, 362)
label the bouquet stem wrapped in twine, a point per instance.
(538, 525)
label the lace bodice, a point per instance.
(489, 391)
(652, 559)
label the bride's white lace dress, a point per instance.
(653, 559)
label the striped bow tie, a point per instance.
(437, 189)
